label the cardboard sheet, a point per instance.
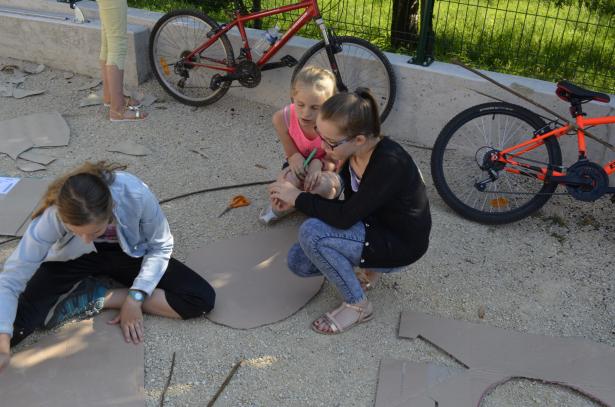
(29, 166)
(495, 355)
(17, 206)
(35, 130)
(36, 156)
(253, 284)
(86, 363)
(129, 147)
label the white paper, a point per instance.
(6, 184)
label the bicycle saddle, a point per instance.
(567, 91)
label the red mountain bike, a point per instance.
(498, 162)
(192, 57)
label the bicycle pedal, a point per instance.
(289, 61)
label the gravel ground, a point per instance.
(549, 274)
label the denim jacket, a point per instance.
(142, 229)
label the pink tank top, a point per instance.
(304, 145)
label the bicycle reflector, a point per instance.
(165, 66)
(500, 202)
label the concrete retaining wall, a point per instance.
(428, 97)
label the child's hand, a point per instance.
(295, 163)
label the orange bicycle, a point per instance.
(193, 60)
(498, 162)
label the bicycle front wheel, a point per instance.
(465, 145)
(173, 38)
(360, 64)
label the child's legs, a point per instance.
(300, 264)
(335, 252)
(329, 185)
(114, 40)
(50, 281)
(181, 293)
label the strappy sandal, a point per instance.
(129, 102)
(365, 313)
(138, 115)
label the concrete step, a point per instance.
(47, 35)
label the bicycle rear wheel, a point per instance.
(360, 64)
(173, 38)
(459, 154)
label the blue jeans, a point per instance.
(333, 253)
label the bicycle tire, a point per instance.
(487, 123)
(356, 74)
(177, 33)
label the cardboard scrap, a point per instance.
(34, 68)
(253, 284)
(89, 85)
(29, 166)
(22, 93)
(37, 157)
(86, 363)
(129, 147)
(35, 130)
(19, 203)
(493, 356)
(92, 99)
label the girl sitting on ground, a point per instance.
(383, 221)
(305, 158)
(96, 221)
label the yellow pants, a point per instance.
(114, 31)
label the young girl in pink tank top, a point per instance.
(295, 126)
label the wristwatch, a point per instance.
(137, 295)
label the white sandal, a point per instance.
(137, 117)
(365, 313)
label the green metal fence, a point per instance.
(545, 39)
(535, 38)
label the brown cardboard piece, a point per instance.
(495, 355)
(253, 284)
(35, 130)
(85, 363)
(19, 203)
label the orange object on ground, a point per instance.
(236, 202)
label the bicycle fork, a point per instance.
(332, 47)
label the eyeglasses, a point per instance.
(332, 146)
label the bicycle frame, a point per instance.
(311, 12)
(544, 173)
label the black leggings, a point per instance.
(186, 292)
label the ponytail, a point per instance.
(354, 113)
(82, 196)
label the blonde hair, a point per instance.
(82, 196)
(319, 79)
(354, 113)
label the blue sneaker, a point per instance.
(85, 301)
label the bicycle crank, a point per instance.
(597, 181)
(246, 73)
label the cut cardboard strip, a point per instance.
(89, 85)
(29, 166)
(36, 130)
(22, 93)
(495, 355)
(34, 68)
(86, 363)
(253, 284)
(17, 206)
(92, 99)
(37, 157)
(129, 147)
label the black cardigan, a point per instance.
(392, 203)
